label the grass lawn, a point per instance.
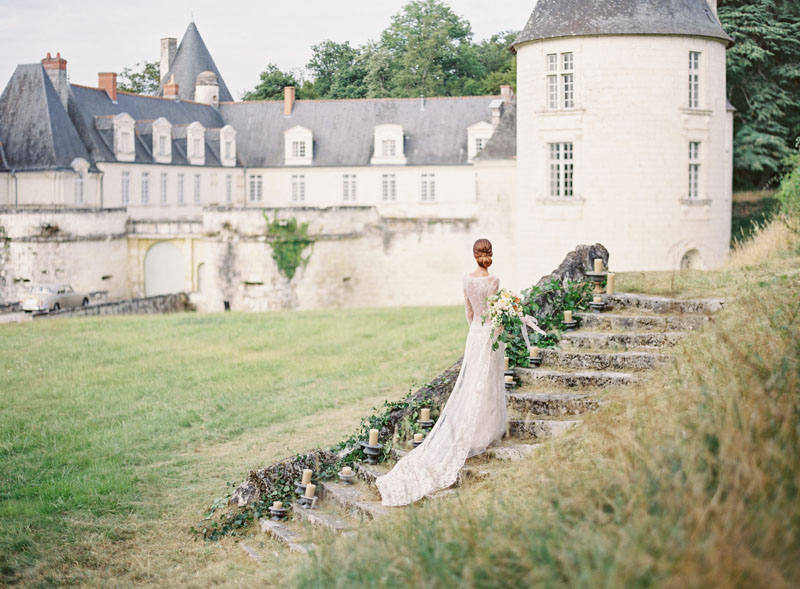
(116, 433)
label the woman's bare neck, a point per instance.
(480, 272)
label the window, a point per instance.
(256, 187)
(428, 189)
(694, 169)
(694, 79)
(163, 188)
(180, 189)
(79, 189)
(145, 188)
(125, 141)
(126, 187)
(561, 170)
(560, 80)
(389, 188)
(388, 148)
(228, 150)
(197, 188)
(298, 149)
(349, 187)
(228, 188)
(298, 188)
(197, 147)
(162, 145)
(479, 143)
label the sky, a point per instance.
(243, 37)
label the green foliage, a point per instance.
(273, 81)
(143, 78)
(749, 215)
(764, 85)
(426, 50)
(789, 193)
(288, 241)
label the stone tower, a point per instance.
(624, 134)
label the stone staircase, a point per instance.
(612, 349)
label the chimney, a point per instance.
(506, 93)
(288, 100)
(169, 47)
(56, 68)
(108, 81)
(171, 88)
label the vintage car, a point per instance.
(53, 297)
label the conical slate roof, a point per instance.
(573, 18)
(191, 59)
(36, 129)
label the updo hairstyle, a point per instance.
(482, 250)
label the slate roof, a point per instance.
(36, 129)
(191, 59)
(87, 105)
(343, 130)
(503, 143)
(572, 18)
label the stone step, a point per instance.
(604, 340)
(602, 361)
(573, 379)
(663, 304)
(619, 322)
(286, 534)
(539, 429)
(356, 500)
(322, 516)
(368, 473)
(513, 452)
(551, 404)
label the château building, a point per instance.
(620, 132)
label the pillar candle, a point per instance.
(610, 283)
(347, 471)
(509, 379)
(373, 437)
(306, 476)
(417, 437)
(535, 352)
(425, 414)
(277, 505)
(310, 490)
(598, 299)
(567, 316)
(505, 363)
(598, 265)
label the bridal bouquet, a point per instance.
(507, 318)
(505, 313)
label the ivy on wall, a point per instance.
(288, 240)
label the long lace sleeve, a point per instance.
(468, 307)
(494, 285)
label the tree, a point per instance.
(498, 61)
(143, 78)
(272, 83)
(339, 70)
(764, 85)
(427, 50)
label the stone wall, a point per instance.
(171, 303)
(84, 248)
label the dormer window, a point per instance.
(162, 141)
(478, 136)
(388, 145)
(124, 148)
(227, 138)
(299, 147)
(196, 143)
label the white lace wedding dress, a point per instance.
(473, 418)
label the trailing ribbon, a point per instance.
(528, 321)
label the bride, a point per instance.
(473, 418)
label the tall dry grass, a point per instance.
(691, 480)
